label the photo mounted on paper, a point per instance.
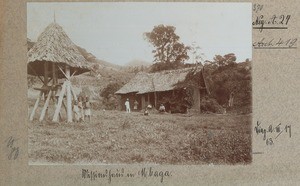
(131, 83)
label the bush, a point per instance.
(110, 89)
(211, 105)
(110, 103)
(109, 99)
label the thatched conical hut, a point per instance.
(55, 56)
(54, 46)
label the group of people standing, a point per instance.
(82, 109)
(161, 109)
(127, 105)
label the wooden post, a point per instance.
(155, 99)
(45, 77)
(73, 92)
(60, 118)
(64, 105)
(45, 106)
(199, 99)
(59, 103)
(45, 73)
(35, 106)
(54, 78)
(148, 99)
(143, 101)
(69, 95)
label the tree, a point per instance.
(229, 81)
(169, 53)
(227, 59)
(111, 88)
(196, 54)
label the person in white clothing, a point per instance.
(162, 108)
(127, 105)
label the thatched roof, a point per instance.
(54, 46)
(155, 82)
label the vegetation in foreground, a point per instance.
(115, 137)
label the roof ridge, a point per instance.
(176, 70)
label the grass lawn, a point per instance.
(114, 137)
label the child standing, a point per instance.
(80, 106)
(87, 109)
(135, 105)
(76, 111)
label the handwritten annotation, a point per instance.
(279, 21)
(109, 174)
(274, 22)
(272, 43)
(13, 151)
(257, 7)
(271, 133)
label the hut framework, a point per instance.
(54, 56)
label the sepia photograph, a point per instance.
(139, 83)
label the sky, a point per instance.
(114, 31)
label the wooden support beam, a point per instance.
(35, 106)
(62, 72)
(73, 92)
(50, 79)
(43, 88)
(41, 79)
(55, 103)
(45, 106)
(73, 73)
(36, 74)
(69, 95)
(60, 118)
(64, 105)
(59, 103)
